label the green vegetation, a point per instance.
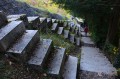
(47, 5)
(58, 40)
(103, 19)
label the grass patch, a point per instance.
(58, 40)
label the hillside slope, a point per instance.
(17, 7)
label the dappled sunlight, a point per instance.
(48, 5)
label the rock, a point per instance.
(3, 19)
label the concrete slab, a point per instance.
(15, 17)
(42, 19)
(83, 34)
(56, 64)
(54, 27)
(40, 55)
(12, 19)
(10, 33)
(33, 22)
(65, 24)
(94, 62)
(70, 68)
(86, 41)
(24, 45)
(49, 19)
(60, 30)
(43, 23)
(32, 18)
(53, 20)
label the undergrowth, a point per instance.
(58, 40)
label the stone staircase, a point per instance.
(94, 64)
(24, 46)
(72, 33)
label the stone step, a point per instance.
(77, 41)
(10, 33)
(81, 29)
(84, 35)
(41, 53)
(65, 24)
(42, 19)
(60, 30)
(3, 19)
(56, 63)
(43, 23)
(49, 22)
(66, 33)
(54, 27)
(53, 20)
(22, 48)
(94, 65)
(70, 68)
(86, 41)
(72, 38)
(33, 22)
(15, 17)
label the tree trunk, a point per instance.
(112, 36)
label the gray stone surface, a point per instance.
(81, 29)
(66, 33)
(53, 20)
(3, 19)
(72, 38)
(12, 19)
(70, 68)
(83, 34)
(40, 54)
(32, 18)
(92, 60)
(10, 33)
(86, 41)
(77, 41)
(42, 19)
(49, 22)
(15, 17)
(55, 65)
(54, 27)
(65, 24)
(33, 22)
(24, 45)
(60, 30)
(49, 19)
(43, 23)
